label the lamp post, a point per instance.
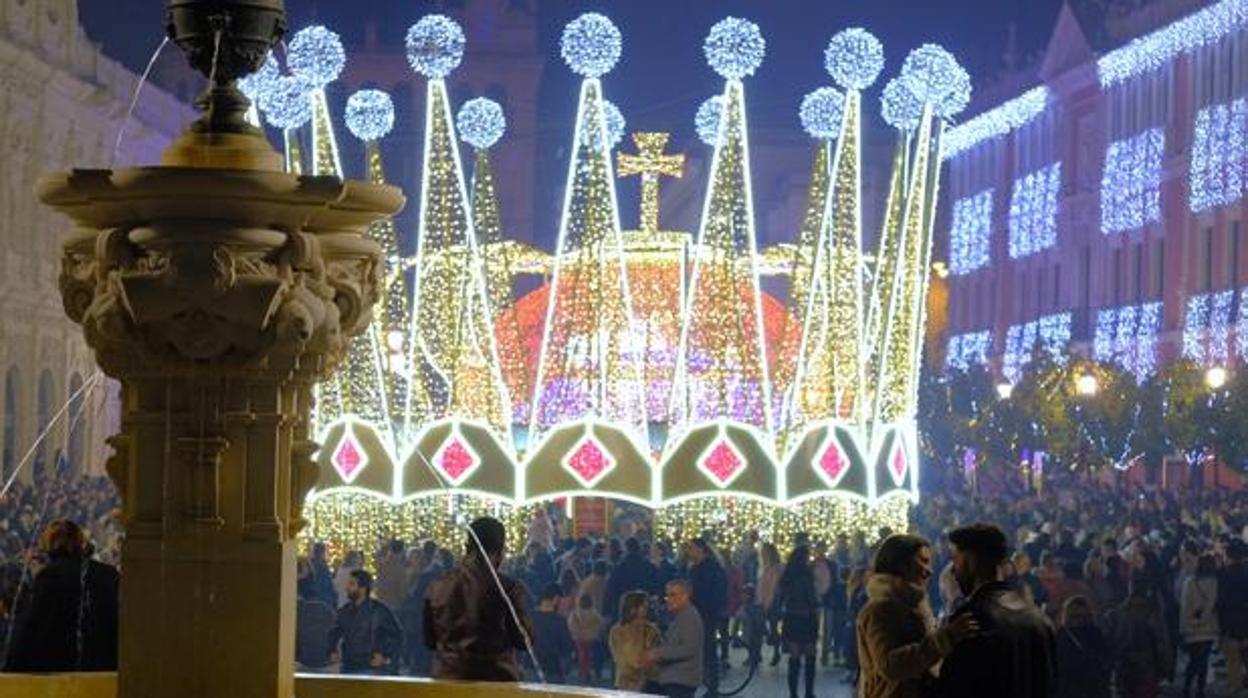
(1086, 385)
(1004, 390)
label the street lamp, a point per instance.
(1087, 385)
(1005, 390)
(1216, 378)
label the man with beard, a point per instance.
(368, 632)
(1014, 654)
(469, 625)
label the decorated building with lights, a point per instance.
(1101, 205)
(651, 367)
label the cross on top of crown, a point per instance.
(650, 162)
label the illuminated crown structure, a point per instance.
(651, 367)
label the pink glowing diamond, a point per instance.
(834, 463)
(349, 458)
(723, 463)
(589, 462)
(456, 460)
(898, 463)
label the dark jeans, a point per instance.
(710, 658)
(672, 690)
(1197, 666)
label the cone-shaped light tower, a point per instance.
(589, 367)
(721, 367)
(455, 358)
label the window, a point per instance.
(43, 417)
(1057, 286)
(1206, 259)
(1128, 336)
(1033, 211)
(1206, 328)
(1160, 286)
(1131, 182)
(1232, 259)
(1050, 333)
(1219, 155)
(1138, 252)
(77, 422)
(967, 349)
(1117, 277)
(970, 235)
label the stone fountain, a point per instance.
(217, 289)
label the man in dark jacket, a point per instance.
(552, 643)
(368, 632)
(314, 620)
(634, 573)
(709, 584)
(69, 622)
(1015, 652)
(468, 622)
(322, 577)
(1233, 612)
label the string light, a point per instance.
(996, 122)
(900, 107)
(854, 58)
(1050, 333)
(591, 45)
(481, 122)
(1219, 155)
(968, 349)
(370, 114)
(435, 46)
(255, 86)
(1241, 325)
(1152, 51)
(706, 121)
(821, 113)
(1033, 211)
(1131, 182)
(970, 236)
(316, 55)
(286, 105)
(734, 48)
(958, 97)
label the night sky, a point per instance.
(662, 76)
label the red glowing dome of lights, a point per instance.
(529, 311)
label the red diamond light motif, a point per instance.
(833, 462)
(899, 463)
(723, 463)
(349, 458)
(456, 460)
(589, 462)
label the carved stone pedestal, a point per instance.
(217, 297)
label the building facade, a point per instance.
(1101, 206)
(62, 105)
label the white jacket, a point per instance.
(1198, 614)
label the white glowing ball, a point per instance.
(899, 106)
(288, 104)
(254, 86)
(316, 55)
(481, 122)
(370, 114)
(821, 113)
(614, 125)
(435, 46)
(706, 121)
(734, 48)
(591, 45)
(854, 58)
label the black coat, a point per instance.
(710, 590)
(70, 621)
(364, 630)
(634, 573)
(1084, 661)
(1015, 654)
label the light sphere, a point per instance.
(254, 86)
(958, 97)
(316, 55)
(899, 106)
(591, 45)
(930, 72)
(1087, 385)
(1216, 377)
(481, 122)
(734, 48)
(288, 105)
(370, 114)
(821, 113)
(854, 58)
(706, 121)
(435, 46)
(614, 123)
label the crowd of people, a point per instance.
(1081, 589)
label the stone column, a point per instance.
(217, 297)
